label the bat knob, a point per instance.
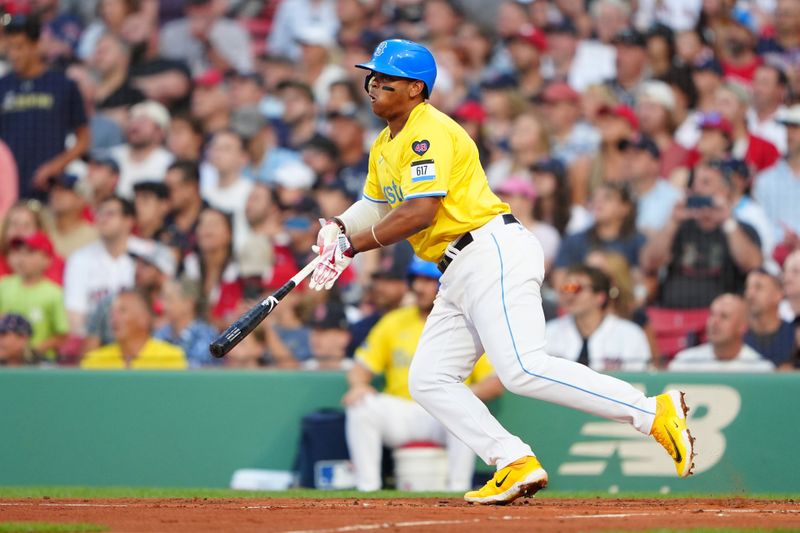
(217, 349)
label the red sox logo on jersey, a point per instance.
(420, 147)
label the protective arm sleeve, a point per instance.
(363, 214)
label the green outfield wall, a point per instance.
(194, 429)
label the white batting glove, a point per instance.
(336, 257)
(328, 232)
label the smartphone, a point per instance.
(696, 201)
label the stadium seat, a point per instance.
(677, 329)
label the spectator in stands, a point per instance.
(725, 350)
(287, 337)
(111, 18)
(294, 180)
(767, 334)
(135, 347)
(101, 268)
(572, 139)
(143, 157)
(354, 159)
(185, 138)
(205, 39)
(209, 104)
(28, 293)
(294, 15)
(180, 226)
(105, 131)
(69, 230)
(15, 341)
(705, 249)
(391, 417)
(248, 354)
(528, 144)
(785, 41)
(589, 333)
(322, 156)
(114, 91)
(732, 101)
(769, 92)
(299, 114)
(151, 201)
(631, 65)
(41, 108)
(778, 188)
(212, 265)
(264, 225)
(328, 339)
(23, 220)
(790, 307)
(735, 47)
(525, 50)
(655, 196)
(228, 157)
(520, 195)
(315, 66)
(655, 108)
(553, 203)
(9, 192)
(102, 178)
(614, 229)
(616, 123)
(706, 80)
(183, 309)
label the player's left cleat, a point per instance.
(524, 477)
(669, 429)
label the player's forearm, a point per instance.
(358, 375)
(409, 218)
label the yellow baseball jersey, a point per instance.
(391, 344)
(155, 355)
(433, 156)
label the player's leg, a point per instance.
(445, 356)
(460, 463)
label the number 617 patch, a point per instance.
(423, 170)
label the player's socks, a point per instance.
(669, 429)
(524, 477)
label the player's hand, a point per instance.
(336, 257)
(357, 393)
(329, 231)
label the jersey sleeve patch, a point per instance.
(423, 170)
(420, 147)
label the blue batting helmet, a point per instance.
(403, 59)
(426, 269)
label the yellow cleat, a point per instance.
(669, 429)
(524, 477)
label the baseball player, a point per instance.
(425, 184)
(391, 417)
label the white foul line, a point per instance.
(387, 525)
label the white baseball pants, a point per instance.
(383, 419)
(490, 300)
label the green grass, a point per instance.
(715, 530)
(144, 492)
(48, 527)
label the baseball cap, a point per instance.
(499, 83)
(621, 111)
(295, 175)
(156, 187)
(517, 185)
(255, 77)
(209, 78)
(390, 267)
(708, 64)
(35, 241)
(65, 181)
(105, 161)
(247, 121)
(641, 142)
(658, 92)
(154, 254)
(565, 25)
(328, 315)
(630, 37)
(14, 323)
(789, 116)
(532, 36)
(152, 110)
(560, 92)
(470, 111)
(552, 166)
(715, 121)
(315, 35)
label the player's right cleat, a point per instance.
(524, 477)
(669, 429)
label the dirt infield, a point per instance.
(406, 515)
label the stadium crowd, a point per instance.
(165, 164)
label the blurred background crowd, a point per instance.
(164, 165)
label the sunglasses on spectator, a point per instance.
(574, 288)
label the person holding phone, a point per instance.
(706, 251)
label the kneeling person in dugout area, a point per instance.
(391, 417)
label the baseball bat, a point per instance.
(248, 322)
